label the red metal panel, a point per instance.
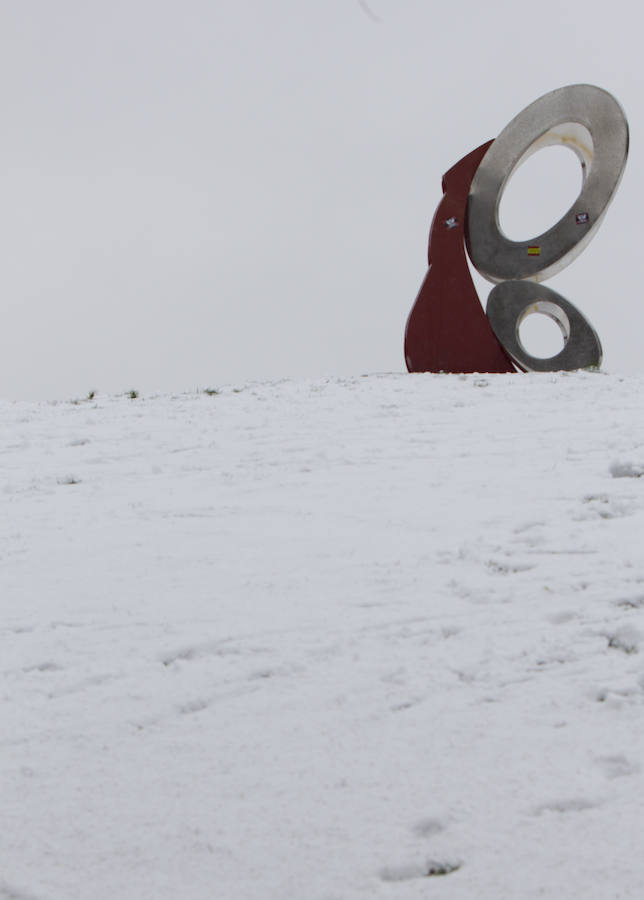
(447, 329)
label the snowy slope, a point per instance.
(316, 640)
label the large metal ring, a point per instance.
(511, 301)
(582, 117)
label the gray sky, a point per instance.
(208, 191)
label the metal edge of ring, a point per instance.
(508, 304)
(497, 257)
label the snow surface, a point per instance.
(372, 637)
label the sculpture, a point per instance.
(447, 329)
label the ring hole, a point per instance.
(543, 330)
(540, 191)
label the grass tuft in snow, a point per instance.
(68, 479)
(411, 871)
(442, 868)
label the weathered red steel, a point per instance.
(447, 329)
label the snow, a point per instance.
(365, 637)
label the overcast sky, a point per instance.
(208, 191)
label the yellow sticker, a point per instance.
(534, 251)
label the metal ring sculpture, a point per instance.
(447, 329)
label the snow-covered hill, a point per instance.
(374, 637)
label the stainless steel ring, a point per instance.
(511, 301)
(582, 117)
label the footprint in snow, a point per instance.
(573, 804)
(561, 618)
(627, 639)
(636, 602)
(47, 666)
(9, 892)
(626, 469)
(617, 766)
(428, 827)
(603, 506)
(614, 698)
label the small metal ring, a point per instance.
(588, 120)
(511, 301)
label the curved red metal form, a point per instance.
(447, 329)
